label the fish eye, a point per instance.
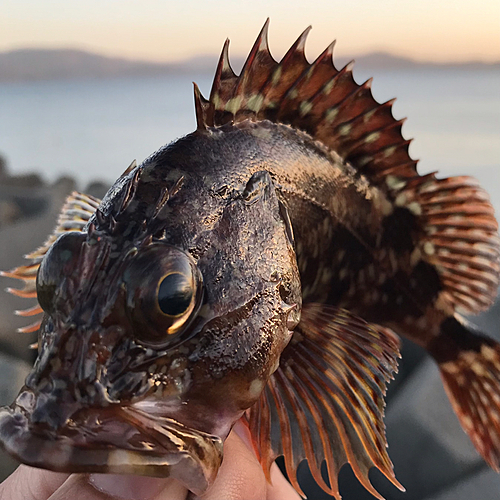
(57, 263)
(175, 294)
(163, 293)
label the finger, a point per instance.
(105, 487)
(138, 487)
(29, 483)
(241, 476)
(280, 488)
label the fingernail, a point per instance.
(127, 487)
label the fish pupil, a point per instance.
(175, 294)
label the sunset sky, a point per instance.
(161, 30)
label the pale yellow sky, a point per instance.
(163, 30)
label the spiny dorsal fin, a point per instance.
(325, 401)
(316, 98)
(76, 211)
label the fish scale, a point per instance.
(301, 237)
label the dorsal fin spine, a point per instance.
(200, 111)
(316, 98)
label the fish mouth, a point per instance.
(114, 439)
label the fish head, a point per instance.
(159, 331)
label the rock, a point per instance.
(24, 180)
(481, 485)
(10, 212)
(4, 172)
(97, 189)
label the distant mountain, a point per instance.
(384, 60)
(56, 64)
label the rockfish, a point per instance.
(258, 268)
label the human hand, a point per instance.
(240, 478)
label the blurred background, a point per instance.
(86, 87)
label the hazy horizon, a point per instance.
(242, 56)
(158, 31)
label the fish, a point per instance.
(260, 268)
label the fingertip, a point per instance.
(129, 487)
(240, 477)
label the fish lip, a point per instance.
(130, 442)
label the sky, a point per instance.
(166, 30)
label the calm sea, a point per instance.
(93, 129)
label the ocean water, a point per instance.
(93, 129)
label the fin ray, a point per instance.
(328, 396)
(470, 369)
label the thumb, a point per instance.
(28, 483)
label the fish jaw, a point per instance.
(114, 439)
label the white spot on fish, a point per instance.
(489, 353)
(305, 108)
(364, 160)
(390, 151)
(401, 200)
(328, 87)
(429, 248)
(367, 116)
(255, 102)
(276, 76)
(372, 137)
(415, 208)
(234, 104)
(217, 101)
(450, 367)
(479, 369)
(331, 114)
(255, 388)
(395, 183)
(345, 129)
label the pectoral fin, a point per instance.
(325, 401)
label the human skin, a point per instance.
(240, 478)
